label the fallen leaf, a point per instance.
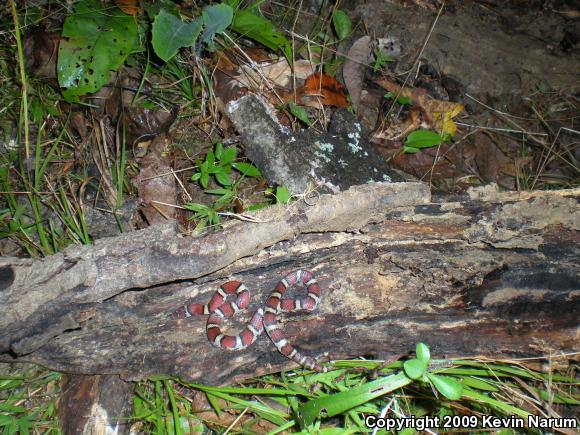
(278, 73)
(355, 65)
(412, 93)
(129, 7)
(327, 89)
(439, 113)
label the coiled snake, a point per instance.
(266, 318)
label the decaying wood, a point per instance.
(493, 274)
(92, 405)
(333, 160)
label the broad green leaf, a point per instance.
(169, 34)
(422, 351)
(196, 176)
(415, 368)
(216, 19)
(209, 158)
(228, 155)
(447, 386)
(341, 23)
(334, 404)
(223, 178)
(261, 30)
(219, 148)
(204, 180)
(422, 139)
(95, 41)
(247, 169)
(300, 113)
(283, 195)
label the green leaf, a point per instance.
(334, 404)
(415, 368)
(247, 169)
(219, 148)
(447, 386)
(478, 383)
(204, 180)
(213, 218)
(422, 351)
(283, 195)
(422, 139)
(300, 113)
(223, 178)
(223, 200)
(341, 23)
(216, 19)
(196, 176)
(221, 191)
(261, 30)
(497, 404)
(198, 208)
(209, 158)
(228, 155)
(169, 34)
(94, 42)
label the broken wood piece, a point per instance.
(331, 162)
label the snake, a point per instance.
(217, 309)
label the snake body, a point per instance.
(267, 318)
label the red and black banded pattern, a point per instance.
(218, 309)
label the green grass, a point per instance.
(305, 402)
(28, 401)
(339, 400)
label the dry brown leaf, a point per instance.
(516, 167)
(439, 113)
(327, 89)
(155, 182)
(412, 93)
(130, 7)
(355, 65)
(278, 73)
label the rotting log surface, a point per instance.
(491, 274)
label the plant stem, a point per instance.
(22, 76)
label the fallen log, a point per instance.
(490, 274)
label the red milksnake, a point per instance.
(266, 318)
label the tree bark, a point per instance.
(487, 274)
